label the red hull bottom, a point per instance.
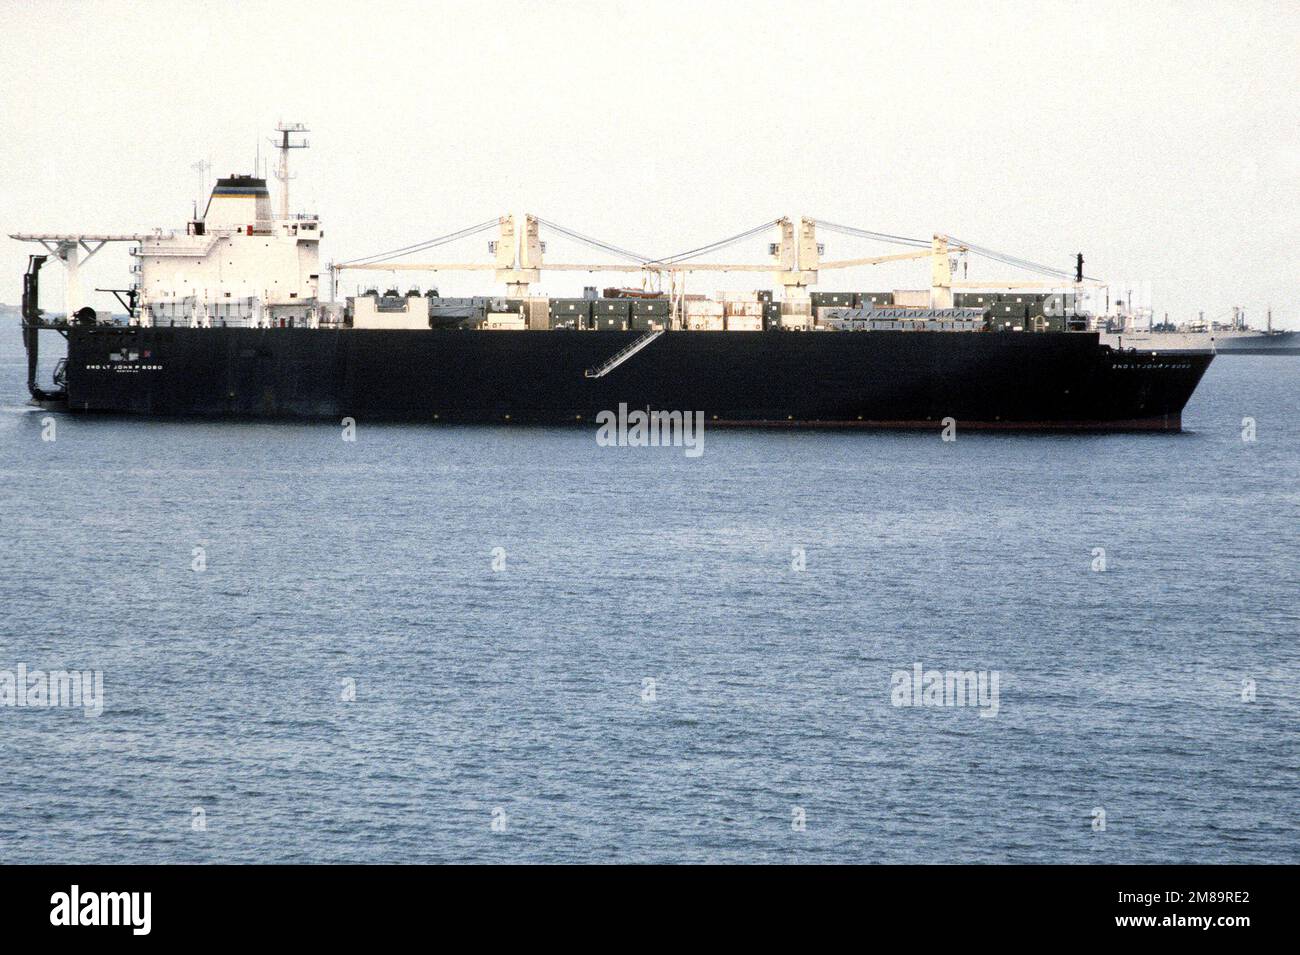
(1171, 422)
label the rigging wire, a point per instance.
(982, 251)
(421, 246)
(661, 261)
(1017, 262)
(1025, 264)
(594, 242)
(715, 246)
(867, 234)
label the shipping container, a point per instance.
(570, 308)
(537, 311)
(1006, 323)
(771, 315)
(705, 323)
(828, 299)
(1049, 323)
(912, 298)
(611, 308)
(867, 299)
(511, 321)
(651, 306)
(703, 307)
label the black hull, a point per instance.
(780, 379)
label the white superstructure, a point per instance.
(237, 264)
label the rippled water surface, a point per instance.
(520, 694)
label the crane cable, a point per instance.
(668, 260)
(715, 246)
(880, 236)
(594, 242)
(421, 246)
(1017, 262)
(983, 251)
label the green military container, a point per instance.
(832, 299)
(578, 309)
(771, 315)
(620, 308)
(1005, 316)
(651, 306)
(868, 299)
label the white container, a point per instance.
(704, 307)
(912, 298)
(705, 323)
(414, 313)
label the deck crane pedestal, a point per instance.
(799, 256)
(518, 255)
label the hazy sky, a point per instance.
(1161, 139)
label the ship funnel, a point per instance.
(238, 201)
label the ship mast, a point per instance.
(285, 143)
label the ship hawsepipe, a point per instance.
(883, 379)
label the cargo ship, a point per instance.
(227, 318)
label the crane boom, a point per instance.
(876, 259)
(797, 255)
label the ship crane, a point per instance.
(797, 257)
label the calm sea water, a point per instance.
(521, 694)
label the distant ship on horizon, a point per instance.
(1235, 337)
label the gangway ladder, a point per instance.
(622, 355)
